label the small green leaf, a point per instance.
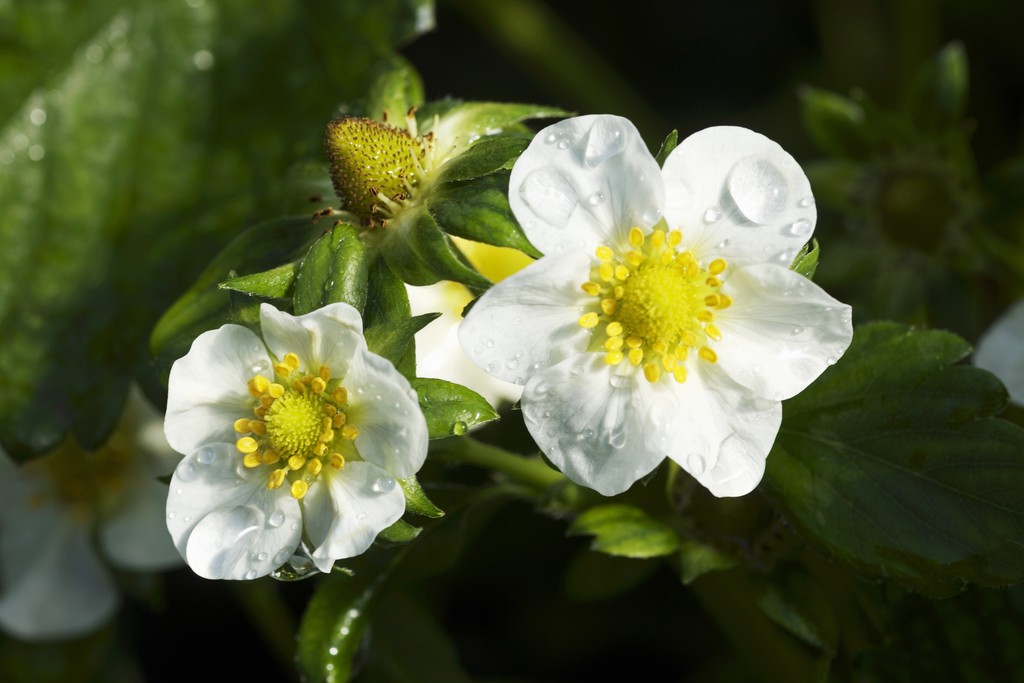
(478, 210)
(483, 158)
(396, 341)
(938, 95)
(333, 625)
(399, 532)
(835, 123)
(333, 270)
(450, 408)
(806, 262)
(625, 531)
(275, 283)
(892, 462)
(387, 300)
(797, 603)
(420, 254)
(466, 123)
(396, 90)
(416, 500)
(669, 144)
(697, 558)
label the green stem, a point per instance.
(270, 615)
(529, 470)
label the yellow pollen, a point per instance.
(276, 478)
(314, 467)
(706, 353)
(589, 320)
(337, 461)
(349, 432)
(613, 344)
(679, 374)
(591, 288)
(717, 267)
(609, 306)
(636, 356)
(258, 427)
(613, 357)
(293, 423)
(636, 237)
(605, 254)
(282, 369)
(242, 426)
(258, 385)
(296, 462)
(325, 373)
(606, 272)
(252, 460)
(299, 489)
(713, 332)
(613, 329)
(247, 444)
(318, 385)
(276, 390)
(338, 421)
(340, 395)
(270, 457)
(292, 361)
(652, 373)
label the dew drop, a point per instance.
(713, 214)
(801, 228)
(695, 464)
(282, 556)
(276, 519)
(619, 381)
(576, 369)
(652, 215)
(185, 471)
(551, 138)
(596, 199)
(386, 484)
(361, 516)
(489, 343)
(603, 142)
(178, 491)
(260, 366)
(563, 144)
(491, 367)
(617, 439)
(580, 437)
(206, 456)
(723, 244)
(172, 515)
(459, 428)
(797, 331)
(512, 363)
(758, 188)
(805, 202)
(295, 526)
(221, 539)
(251, 574)
(262, 557)
(547, 414)
(187, 519)
(830, 361)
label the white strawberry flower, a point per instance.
(1000, 351)
(663, 320)
(297, 437)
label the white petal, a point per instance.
(529, 321)
(54, 586)
(438, 353)
(207, 390)
(327, 336)
(382, 404)
(781, 331)
(736, 194)
(597, 427)
(135, 536)
(583, 181)
(1001, 351)
(721, 433)
(224, 520)
(362, 502)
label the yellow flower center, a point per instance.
(299, 418)
(654, 304)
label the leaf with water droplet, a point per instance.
(334, 269)
(416, 500)
(483, 158)
(478, 210)
(893, 462)
(450, 407)
(625, 531)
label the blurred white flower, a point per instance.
(438, 353)
(663, 320)
(53, 584)
(298, 437)
(1001, 351)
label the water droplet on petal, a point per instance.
(713, 214)
(805, 202)
(262, 557)
(723, 244)
(758, 188)
(361, 516)
(251, 574)
(596, 199)
(563, 144)
(576, 369)
(385, 484)
(652, 215)
(512, 364)
(604, 141)
(551, 138)
(619, 381)
(801, 228)
(695, 464)
(172, 515)
(221, 539)
(489, 343)
(260, 366)
(276, 519)
(206, 456)
(185, 471)
(830, 361)
(797, 331)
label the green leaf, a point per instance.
(416, 500)
(625, 531)
(396, 90)
(333, 625)
(835, 123)
(483, 158)
(938, 95)
(387, 300)
(333, 270)
(892, 462)
(396, 341)
(697, 558)
(806, 262)
(796, 602)
(478, 210)
(450, 408)
(420, 254)
(399, 532)
(465, 123)
(206, 306)
(670, 143)
(275, 283)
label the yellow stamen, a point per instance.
(652, 372)
(588, 320)
(349, 432)
(247, 444)
(242, 426)
(299, 489)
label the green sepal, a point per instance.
(892, 462)
(450, 409)
(938, 95)
(806, 262)
(333, 625)
(670, 142)
(396, 89)
(396, 341)
(420, 254)
(206, 306)
(478, 210)
(697, 558)
(625, 531)
(275, 283)
(797, 603)
(483, 158)
(399, 532)
(333, 270)
(416, 500)
(835, 123)
(466, 123)
(387, 300)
